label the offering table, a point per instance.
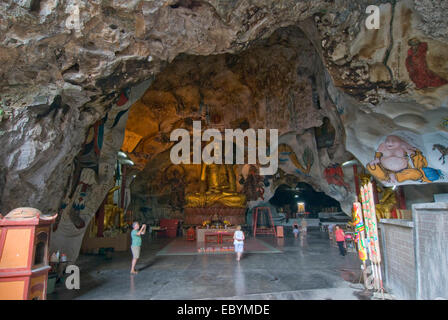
(200, 232)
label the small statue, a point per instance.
(253, 184)
(111, 210)
(216, 221)
(386, 205)
(177, 190)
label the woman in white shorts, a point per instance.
(238, 242)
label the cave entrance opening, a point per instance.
(302, 201)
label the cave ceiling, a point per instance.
(269, 85)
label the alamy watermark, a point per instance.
(73, 21)
(373, 20)
(217, 149)
(73, 280)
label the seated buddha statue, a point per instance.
(218, 188)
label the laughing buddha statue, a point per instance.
(218, 188)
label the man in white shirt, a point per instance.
(238, 242)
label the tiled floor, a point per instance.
(181, 246)
(305, 269)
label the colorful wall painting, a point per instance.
(286, 153)
(417, 66)
(404, 157)
(335, 176)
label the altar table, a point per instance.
(200, 233)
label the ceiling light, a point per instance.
(122, 155)
(128, 162)
(350, 162)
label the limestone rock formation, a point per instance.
(65, 65)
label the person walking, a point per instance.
(136, 243)
(340, 239)
(238, 242)
(304, 226)
(295, 230)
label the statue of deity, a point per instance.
(218, 187)
(253, 184)
(387, 203)
(111, 211)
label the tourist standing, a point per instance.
(340, 239)
(136, 243)
(238, 242)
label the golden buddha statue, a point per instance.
(111, 210)
(218, 187)
(387, 203)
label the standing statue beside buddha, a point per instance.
(111, 211)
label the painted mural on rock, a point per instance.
(403, 157)
(335, 176)
(287, 154)
(417, 66)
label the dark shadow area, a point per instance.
(313, 201)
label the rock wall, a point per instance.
(78, 208)
(404, 96)
(66, 64)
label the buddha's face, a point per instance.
(392, 142)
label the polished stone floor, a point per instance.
(309, 269)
